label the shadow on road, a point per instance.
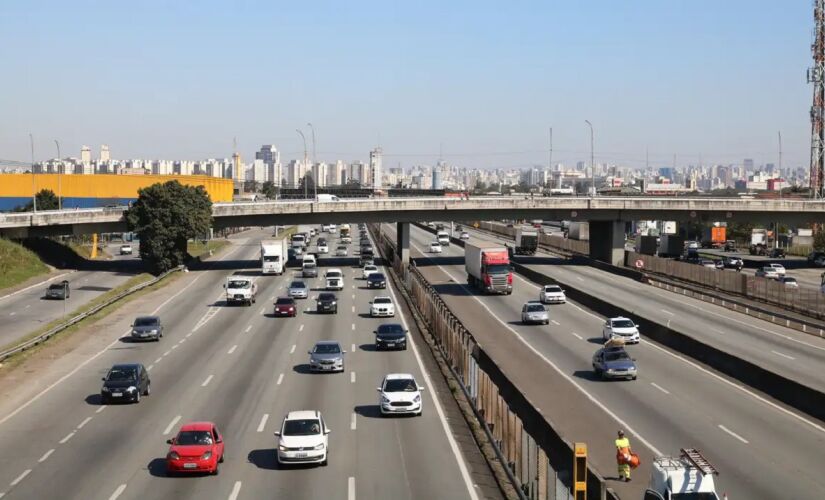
(369, 411)
(263, 459)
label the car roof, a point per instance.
(285, 299)
(197, 426)
(328, 342)
(383, 297)
(148, 317)
(397, 376)
(302, 415)
(617, 318)
(333, 269)
(122, 366)
(387, 325)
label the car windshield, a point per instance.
(535, 308)
(382, 300)
(376, 277)
(188, 438)
(616, 356)
(370, 268)
(284, 302)
(239, 284)
(342, 247)
(55, 287)
(305, 427)
(309, 265)
(389, 329)
(147, 322)
(552, 289)
(327, 349)
(326, 297)
(122, 374)
(623, 323)
(271, 258)
(435, 244)
(498, 268)
(297, 284)
(400, 385)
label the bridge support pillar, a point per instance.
(607, 241)
(402, 242)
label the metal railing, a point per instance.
(23, 346)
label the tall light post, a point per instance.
(34, 189)
(592, 161)
(314, 160)
(59, 184)
(305, 158)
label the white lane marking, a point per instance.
(12, 314)
(206, 382)
(149, 368)
(577, 335)
(579, 278)
(174, 347)
(171, 425)
(35, 285)
(101, 409)
(666, 311)
(353, 308)
(232, 349)
(351, 488)
(353, 348)
(353, 326)
(353, 296)
(462, 465)
(85, 421)
(555, 322)
(783, 355)
(181, 341)
(737, 436)
(301, 328)
(352, 377)
(718, 331)
(21, 477)
(247, 329)
(68, 437)
(261, 312)
(45, 456)
(352, 422)
(27, 306)
(235, 491)
(292, 351)
(118, 492)
(353, 287)
(167, 352)
(654, 384)
(158, 360)
(280, 379)
(262, 425)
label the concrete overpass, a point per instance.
(606, 214)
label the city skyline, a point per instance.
(172, 84)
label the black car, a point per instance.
(327, 303)
(126, 382)
(59, 291)
(377, 280)
(777, 253)
(391, 336)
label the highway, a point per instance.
(243, 369)
(761, 449)
(27, 310)
(791, 353)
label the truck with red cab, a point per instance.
(488, 267)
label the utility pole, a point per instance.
(305, 159)
(314, 160)
(59, 168)
(816, 76)
(779, 133)
(593, 159)
(34, 188)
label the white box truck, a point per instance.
(488, 267)
(240, 290)
(579, 231)
(273, 256)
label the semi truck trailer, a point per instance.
(488, 267)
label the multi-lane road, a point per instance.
(762, 449)
(243, 369)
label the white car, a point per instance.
(435, 247)
(334, 279)
(552, 294)
(333, 229)
(465, 235)
(370, 269)
(323, 248)
(623, 328)
(767, 272)
(788, 281)
(400, 394)
(382, 307)
(779, 268)
(325, 228)
(125, 249)
(303, 438)
(346, 239)
(341, 251)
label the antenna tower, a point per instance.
(816, 76)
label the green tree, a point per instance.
(46, 200)
(165, 216)
(819, 241)
(270, 190)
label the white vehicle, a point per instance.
(323, 248)
(623, 328)
(369, 269)
(333, 229)
(382, 306)
(788, 281)
(326, 198)
(341, 251)
(334, 279)
(346, 239)
(552, 294)
(273, 256)
(688, 476)
(465, 235)
(435, 247)
(125, 249)
(767, 272)
(303, 438)
(325, 228)
(240, 289)
(779, 268)
(400, 394)
(298, 240)
(309, 258)
(443, 237)
(309, 269)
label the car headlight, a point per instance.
(173, 455)
(206, 456)
(131, 388)
(610, 370)
(318, 447)
(333, 303)
(282, 447)
(385, 400)
(417, 399)
(135, 332)
(105, 389)
(313, 360)
(154, 331)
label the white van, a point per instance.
(323, 198)
(443, 238)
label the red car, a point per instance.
(198, 447)
(286, 306)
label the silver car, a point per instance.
(534, 312)
(298, 290)
(326, 356)
(147, 328)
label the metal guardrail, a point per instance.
(80, 317)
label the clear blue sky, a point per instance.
(180, 79)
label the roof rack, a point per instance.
(695, 457)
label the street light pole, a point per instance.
(59, 184)
(305, 159)
(314, 160)
(592, 161)
(34, 189)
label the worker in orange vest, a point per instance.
(623, 456)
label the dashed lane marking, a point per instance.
(232, 349)
(171, 425)
(352, 422)
(67, 438)
(280, 379)
(45, 456)
(118, 492)
(236, 489)
(654, 384)
(85, 421)
(737, 436)
(206, 382)
(783, 355)
(292, 351)
(262, 425)
(21, 477)
(352, 377)
(555, 322)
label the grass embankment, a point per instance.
(84, 250)
(18, 264)
(65, 334)
(197, 248)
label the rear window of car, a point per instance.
(552, 289)
(535, 308)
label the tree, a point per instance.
(480, 187)
(307, 181)
(46, 200)
(819, 241)
(165, 216)
(270, 190)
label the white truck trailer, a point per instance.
(273, 256)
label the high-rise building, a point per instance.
(359, 173)
(86, 155)
(104, 153)
(320, 173)
(237, 168)
(438, 182)
(376, 156)
(336, 173)
(748, 164)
